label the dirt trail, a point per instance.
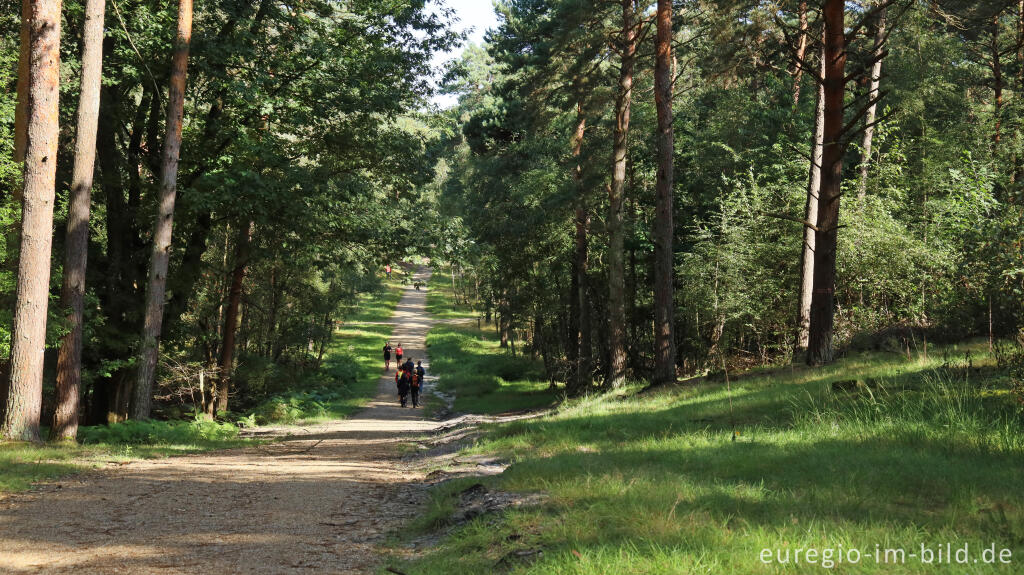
(316, 502)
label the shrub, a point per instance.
(158, 433)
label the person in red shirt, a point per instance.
(398, 354)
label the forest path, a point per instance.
(318, 501)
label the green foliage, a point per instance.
(159, 433)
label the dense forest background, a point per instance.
(302, 155)
(929, 233)
(311, 157)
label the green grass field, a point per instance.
(654, 483)
(471, 365)
(345, 383)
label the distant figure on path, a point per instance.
(398, 354)
(387, 269)
(387, 356)
(418, 383)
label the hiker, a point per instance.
(404, 380)
(387, 356)
(418, 383)
(398, 354)
(387, 269)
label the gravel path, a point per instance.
(315, 502)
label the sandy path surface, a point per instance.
(318, 502)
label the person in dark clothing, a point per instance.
(409, 366)
(418, 383)
(404, 384)
(387, 356)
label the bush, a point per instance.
(158, 433)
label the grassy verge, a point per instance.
(654, 483)
(346, 383)
(470, 364)
(441, 298)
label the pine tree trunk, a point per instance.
(575, 307)
(869, 117)
(664, 300)
(801, 53)
(69, 358)
(41, 129)
(811, 216)
(157, 282)
(820, 349)
(584, 366)
(616, 375)
(227, 348)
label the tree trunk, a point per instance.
(811, 217)
(616, 375)
(801, 53)
(664, 301)
(157, 283)
(869, 117)
(69, 359)
(581, 300)
(820, 349)
(227, 348)
(573, 328)
(28, 330)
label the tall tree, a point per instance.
(227, 348)
(142, 395)
(41, 129)
(69, 359)
(878, 54)
(820, 349)
(811, 216)
(616, 375)
(664, 301)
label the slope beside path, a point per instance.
(317, 501)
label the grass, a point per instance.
(441, 298)
(471, 365)
(653, 483)
(345, 384)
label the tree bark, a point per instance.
(157, 283)
(69, 358)
(811, 216)
(664, 301)
(801, 52)
(820, 350)
(41, 129)
(575, 309)
(227, 348)
(616, 375)
(869, 117)
(581, 299)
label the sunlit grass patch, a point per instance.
(918, 453)
(470, 365)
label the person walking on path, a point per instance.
(418, 383)
(398, 354)
(387, 356)
(404, 381)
